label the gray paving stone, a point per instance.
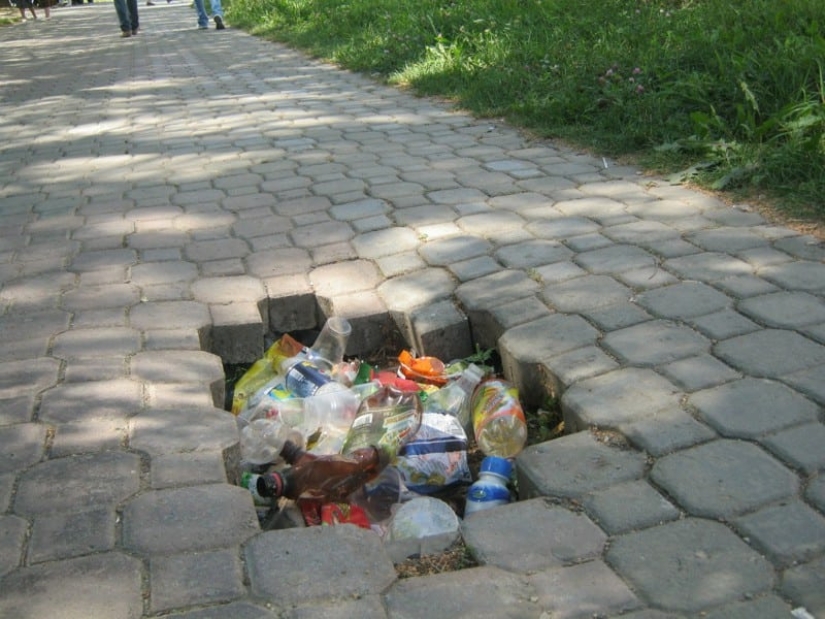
(446, 251)
(491, 593)
(747, 408)
(179, 469)
(574, 465)
(532, 254)
(530, 536)
(809, 276)
(294, 566)
(13, 534)
(803, 585)
(788, 533)
(498, 288)
(388, 242)
(684, 300)
(808, 382)
(785, 309)
(654, 343)
(190, 366)
(368, 607)
(766, 607)
(707, 267)
(488, 224)
(236, 610)
(615, 259)
(196, 578)
(116, 475)
(631, 506)
(88, 436)
(345, 277)
(567, 368)
(28, 376)
(690, 565)
(620, 397)
(440, 330)
(159, 431)
(278, 262)
(106, 342)
(771, 353)
(816, 492)
(699, 372)
(16, 410)
(723, 478)
(95, 297)
(582, 591)
(106, 399)
(726, 239)
(171, 521)
(169, 315)
(585, 294)
(408, 292)
(744, 286)
(101, 585)
(617, 316)
(63, 536)
(588, 243)
(226, 290)
(21, 445)
(238, 331)
(800, 446)
(723, 325)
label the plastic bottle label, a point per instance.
(483, 495)
(303, 380)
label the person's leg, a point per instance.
(203, 19)
(132, 7)
(123, 16)
(217, 14)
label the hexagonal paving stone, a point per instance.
(690, 565)
(771, 353)
(750, 407)
(298, 565)
(723, 478)
(787, 533)
(654, 343)
(64, 484)
(531, 535)
(189, 519)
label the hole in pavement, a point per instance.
(377, 340)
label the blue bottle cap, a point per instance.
(497, 466)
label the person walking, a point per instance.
(127, 14)
(217, 14)
(26, 4)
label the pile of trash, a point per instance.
(384, 448)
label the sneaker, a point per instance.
(219, 22)
(135, 31)
(150, 3)
(125, 34)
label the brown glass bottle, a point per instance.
(329, 478)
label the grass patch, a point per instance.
(729, 95)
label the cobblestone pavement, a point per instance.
(169, 198)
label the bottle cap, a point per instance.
(497, 466)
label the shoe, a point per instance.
(219, 23)
(125, 34)
(135, 31)
(150, 3)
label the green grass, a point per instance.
(730, 92)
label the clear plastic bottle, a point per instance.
(262, 440)
(498, 419)
(387, 419)
(454, 397)
(490, 490)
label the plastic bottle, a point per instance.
(328, 478)
(303, 377)
(249, 481)
(262, 440)
(498, 419)
(387, 419)
(490, 490)
(331, 343)
(454, 398)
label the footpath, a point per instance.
(169, 199)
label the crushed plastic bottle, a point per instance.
(498, 419)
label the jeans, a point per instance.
(127, 14)
(203, 19)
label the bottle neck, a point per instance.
(292, 453)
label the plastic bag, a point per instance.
(436, 456)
